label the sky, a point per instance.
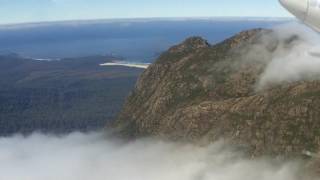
(21, 11)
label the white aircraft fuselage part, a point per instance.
(308, 11)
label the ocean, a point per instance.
(135, 40)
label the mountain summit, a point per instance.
(201, 92)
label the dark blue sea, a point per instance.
(140, 40)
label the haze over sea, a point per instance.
(139, 40)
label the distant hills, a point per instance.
(61, 96)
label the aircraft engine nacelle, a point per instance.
(308, 11)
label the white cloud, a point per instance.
(288, 63)
(94, 156)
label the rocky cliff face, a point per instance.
(201, 92)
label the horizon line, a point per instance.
(138, 19)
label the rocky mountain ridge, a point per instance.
(201, 92)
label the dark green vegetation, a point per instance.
(60, 96)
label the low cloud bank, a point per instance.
(94, 156)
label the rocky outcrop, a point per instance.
(201, 92)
